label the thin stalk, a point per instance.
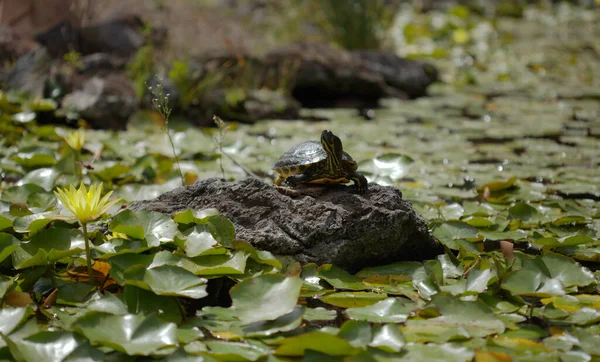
(88, 252)
(174, 153)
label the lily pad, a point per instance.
(547, 275)
(133, 334)
(265, 297)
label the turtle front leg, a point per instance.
(279, 180)
(297, 179)
(360, 182)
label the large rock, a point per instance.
(334, 225)
(105, 103)
(319, 75)
(30, 72)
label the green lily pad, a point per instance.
(260, 256)
(459, 320)
(34, 157)
(55, 346)
(448, 232)
(31, 223)
(353, 299)
(387, 337)
(18, 194)
(141, 301)
(317, 341)
(265, 297)
(47, 247)
(190, 216)
(319, 314)
(154, 227)
(285, 323)
(447, 352)
(8, 244)
(44, 177)
(339, 278)
(133, 334)
(111, 171)
(390, 310)
(167, 280)
(11, 318)
(5, 223)
(358, 334)
(547, 275)
(228, 351)
(199, 241)
(222, 229)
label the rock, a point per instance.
(247, 105)
(12, 45)
(30, 72)
(319, 75)
(324, 75)
(59, 39)
(121, 36)
(408, 76)
(336, 226)
(105, 102)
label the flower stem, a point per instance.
(88, 252)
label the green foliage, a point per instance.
(140, 68)
(358, 24)
(505, 173)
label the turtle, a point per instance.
(316, 162)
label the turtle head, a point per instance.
(333, 146)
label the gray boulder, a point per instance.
(320, 225)
(30, 72)
(105, 103)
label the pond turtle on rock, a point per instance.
(322, 162)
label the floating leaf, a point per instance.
(265, 297)
(451, 352)
(319, 314)
(448, 232)
(17, 194)
(546, 276)
(260, 256)
(133, 334)
(167, 280)
(31, 223)
(524, 211)
(317, 341)
(353, 299)
(459, 319)
(285, 323)
(222, 229)
(154, 227)
(11, 318)
(357, 333)
(387, 337)
(390, 310)
(48, 246)
(199, 241)
(235, 351)
(55, 346)
(8, 244)
(339, 278)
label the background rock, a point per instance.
(105, 103)
(338, 226)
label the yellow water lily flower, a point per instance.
(86, 205)
(76, 139)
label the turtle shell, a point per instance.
(307, 153)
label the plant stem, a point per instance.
(174, 153)
(88, 252)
